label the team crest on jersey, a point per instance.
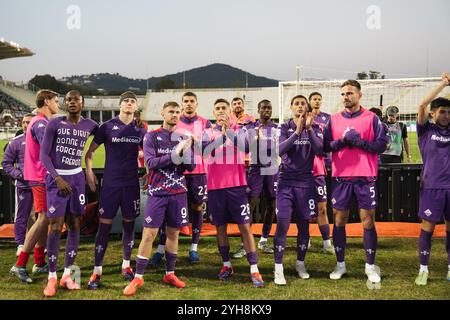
(312, 213)
(101, 211)
(40, 125)
(148, 220)
(159, 138)
(115, 128)
(428, 212)
(51, 209)
(333, 201)
(63, 122)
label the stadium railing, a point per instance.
(397, 187)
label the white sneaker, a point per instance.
(338, 272)
(373, 273)
(19, 250)
(328, 249)
(279, 278)
(301, 269)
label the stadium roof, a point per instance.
(13, 50)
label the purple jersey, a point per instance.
(13, 160)
(297, 154)
(122, 146)
(322, 119)
(63, 145)
(268, 134)
(165, 177)
(434, 145)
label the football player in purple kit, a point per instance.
(226, 181)
(263, 171)
(320, 173)
(122, 137)
(12, 164)
(34, 172)
(193, 124)
(355, 136)
(300, 141)
(434, 144)
(167, 156)
(61, 154)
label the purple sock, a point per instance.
(141, 264)
(302, 239)
(325, 231)
(447, 246)
(225, 253)
(53, 245)
(424, 246)
(370, 244)
(72, 242)
(279, 240)
(127, 239)
(266, 230)
(252, 258)
(340, 240)
(101, 242)
(197, 222)
(162, 234)
(171, 259)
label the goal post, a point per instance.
(406, 94)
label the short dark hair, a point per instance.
(352, 83)
(189, 94)
(314, 94)
(377, 111)
(222, 100)
(263, 101)
(237, 99)
(302, 97)
(170, 104)
(75, 92)
(439, 102)
(43, 95)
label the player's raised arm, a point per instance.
(422, 115)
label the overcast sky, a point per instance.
(140, 39)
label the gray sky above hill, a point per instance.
(139, 39)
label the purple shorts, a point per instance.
(173, 209)
(321, 188)
(300, 200)
(229, 205)
(434, 204)
(196, 185)
(257, 183)
(344, 191)
(127, 198)
(75, 203)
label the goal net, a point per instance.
(406, 94)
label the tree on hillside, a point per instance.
(47, 81)
(362, 76)
(370, 75)
(165, 83)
